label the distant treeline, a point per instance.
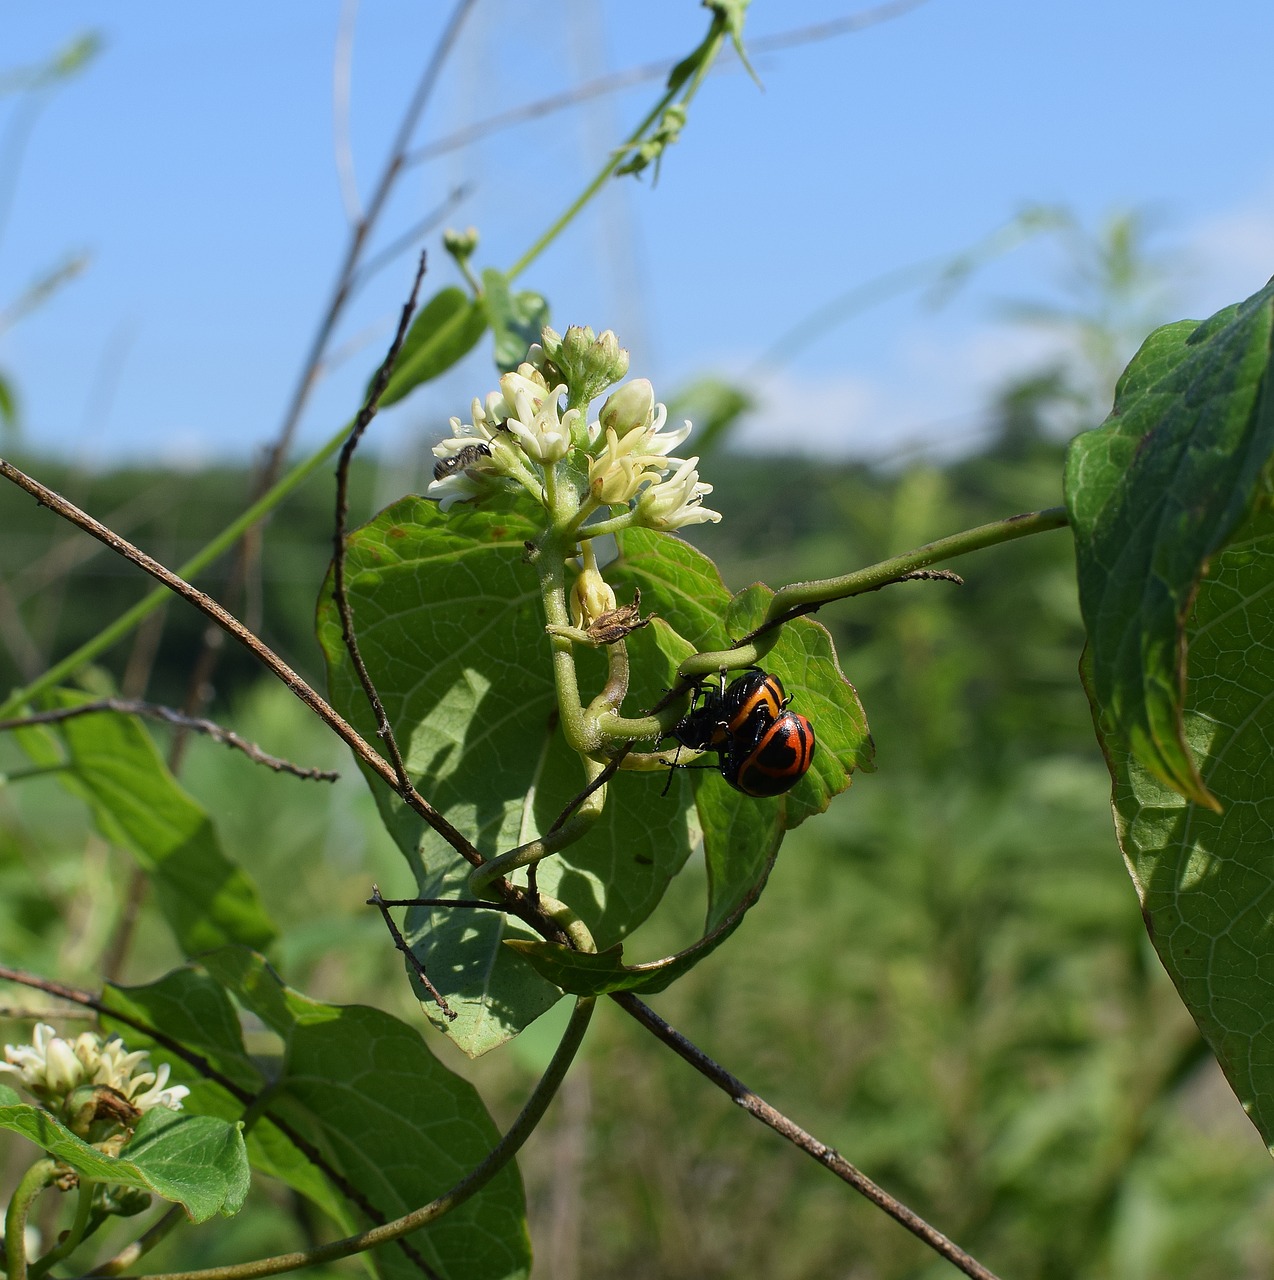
(784, 519)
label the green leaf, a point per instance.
(391, 1119)
(136, 803)
(516, 318)
(1204, 876)
(449, 623)
(198, 1162)
(195, 1011)
(742, 833)
(804, 658)
(1154, 495)
(443, 333)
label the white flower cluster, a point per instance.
(521, 429)
(51, 1068)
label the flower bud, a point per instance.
(631, 408)
(589, 362)
(460, 244)
(590, 598)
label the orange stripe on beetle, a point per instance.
(755, 698)
(774, 760)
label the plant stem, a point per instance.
(829, 1158)
(149, 603)
(75, 1237)
(708, 49)
(144, 1243)
(36, 1178)
(564, 220)
(497, 1158)
(805, 597)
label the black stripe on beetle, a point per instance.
(773, 760)
(753, 699)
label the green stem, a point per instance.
(500, 1155)
(36, 771)
(564, 220)
(75, 1237)
(705, 55)
(552, 567)
(149, 603)
(806, 594)
(804, 597)
(573, 829)
(612, 524)
(36, 1178)
(139, 1248)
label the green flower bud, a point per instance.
(631, 408)
(589, 362)
(460, 244)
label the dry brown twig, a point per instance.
(261, 651)
(156, 711)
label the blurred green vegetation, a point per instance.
(947, 978)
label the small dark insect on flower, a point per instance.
(467, 457)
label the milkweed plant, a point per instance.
(557, 702)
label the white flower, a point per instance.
(52, 1068)
(159, 1094)
(535, 419)
(457, 487)
(616, 475)
(675, 502)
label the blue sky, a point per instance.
(194, 163)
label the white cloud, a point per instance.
(931, 395)
(1231, 255)
(935, 380)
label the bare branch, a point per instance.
(410, 237)
(154, 711)
(262, 652)
(829, 1158)
(360, 235)
(417, 967)
(384, 730)
(314, 360)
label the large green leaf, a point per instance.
(111, 762)
(389, 1118)
(198, 1162)
(449, 623)
(194, 1010)
(447, 329)
(742, 834)
(1154, 495)
(1206, 878)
